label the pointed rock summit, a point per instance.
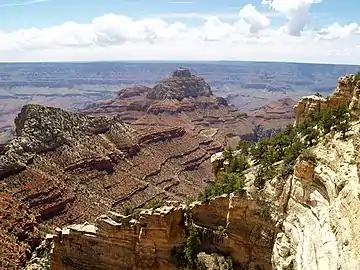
(182, 84)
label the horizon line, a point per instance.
(175, 62)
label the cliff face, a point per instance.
(347, 92)
(148, 242)
(182, 84)
(320, 229)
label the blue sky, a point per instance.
(30, 24)
(53, 12)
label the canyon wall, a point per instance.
(230, 225)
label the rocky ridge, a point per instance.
(182, 84)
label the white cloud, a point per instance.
(255, 19)
(337, 31)
(118, 37)
(26, 3)
(296, 11)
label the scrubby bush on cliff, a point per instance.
(191, 246)
(287, 145)
(244, 146)
(127, 210)
(156, 203)
(357, 76)
(308, 156)
(185, 255)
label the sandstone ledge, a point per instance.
(148, 241)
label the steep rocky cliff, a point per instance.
(182, 84)
(150, 240)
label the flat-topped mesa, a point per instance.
(346, 93)
(182, 84)
(182, 72)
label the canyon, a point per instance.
(149, 144)
(305, 220)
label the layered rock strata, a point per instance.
(149, 242)
(184, 100)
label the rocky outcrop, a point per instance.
(320, 227)
(182, 84)
(41, 129)
(346, 93)
(231, 225)
(274, 115)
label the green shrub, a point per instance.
(265, 212)
(127, 210)
(245, 147)
(191, 246)
(309, 156)
(156, 203)
(357, 76)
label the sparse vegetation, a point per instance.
(127, 210)
(265, 212)
(357, 76)
(185, 255)
(309, 156)
(192, 243)
(156, 203)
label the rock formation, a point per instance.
(149, 241)
(69, 167)
(184, 100)
(347, 92)
(19, 232)
(182, 84)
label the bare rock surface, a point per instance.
(186, 100)
(69, 167)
